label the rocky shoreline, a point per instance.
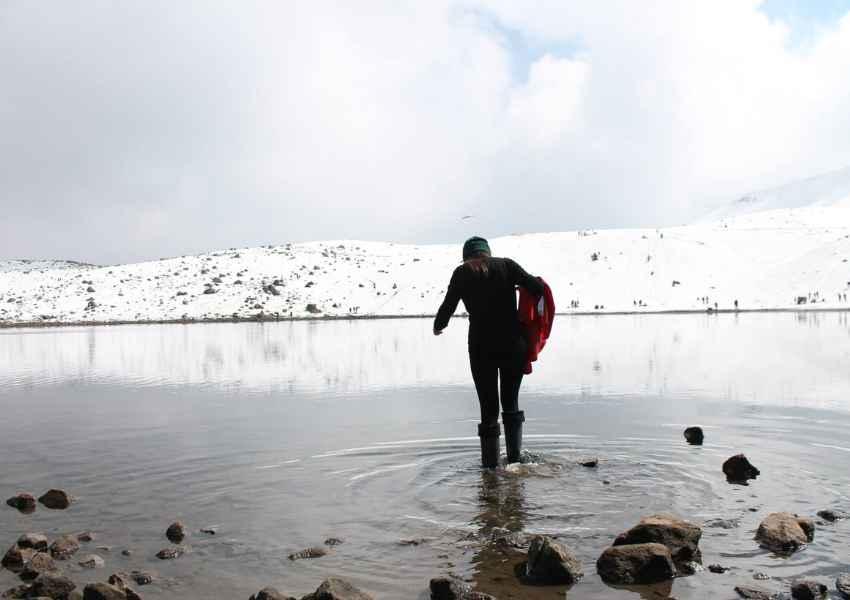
(657, 550)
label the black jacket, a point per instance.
(490, 300)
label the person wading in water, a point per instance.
(497, 344)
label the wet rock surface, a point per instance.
(36, 541)
(176, 532)
(551, 563)
(103, 591)
(15, 558)
(636, 564)
(448, 588)
(270, 593)
(842, 584)
(694, 436)
(23, 502)
(679, 536)
(170, 553)
(753, 593)
(64, 547)
(315, 552)
(52, 585)
(739, 470)
(56, 499)
(784, 533)
(808, 590)
(92, 561)
(833, 515)
(41, 562)
(337, 589)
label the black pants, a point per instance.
(497, 375)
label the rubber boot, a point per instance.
(512, 421)
(489, 435)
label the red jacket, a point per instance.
(537, 324)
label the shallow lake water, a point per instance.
(281, 435)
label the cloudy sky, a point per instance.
(133, 130)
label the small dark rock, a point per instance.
(141, 577)
(722, 523)
(717, 568)
(85, 536)
(739, 470)
(209, 530)
(23, 502)
(17, 593)
(15, 558)
(447, 588)
(92, 561)
(591, 463)
(694, 436)
(176, 532)
(333, 541)
(313, 309)
(551, 563)
(832, 515)
(56, 499)
(808, 590)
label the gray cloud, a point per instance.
(139, 130)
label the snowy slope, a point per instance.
(38, 265)
(764, 260)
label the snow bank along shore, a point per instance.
(789, 258)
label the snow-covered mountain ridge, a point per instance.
(764, 260)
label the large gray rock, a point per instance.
(337, 589)
(636, 564)
(842, 584)
(270, 593)
(56, 499)
(808, 590)
(103, 591)
(754, 593)
(785, 533)
(681, 537)
(551, 563)
(52, 585)
(64, 547)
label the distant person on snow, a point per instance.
(498, 349)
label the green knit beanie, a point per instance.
(473, 246)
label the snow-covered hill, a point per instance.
(764, 260)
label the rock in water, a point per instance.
(176, 532)
(842, 584)
(308, 553)
(681, 537)
(739, 470)
(753, 593)
(808, 590)
(832, 515)
(41, 562)
(52, 585)
(64, 547)
(16, 593)
(15, 558)
(717, 568)
(56, 499)
(636, 564)
(169, 553)
(23, 502)
(448, 588)
(337, 589)
(551, 563)
(36, 541)
(92, 561)
(694, 436)
(103, 591)
(270, 593)
(784, 533)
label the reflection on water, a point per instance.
(761, 358)
(285, 434)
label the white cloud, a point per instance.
(273, 121)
